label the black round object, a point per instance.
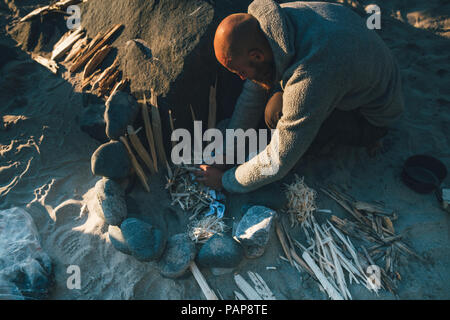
(423, 173)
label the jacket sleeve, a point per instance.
(305, 107)
(249, 107)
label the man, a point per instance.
(339, 83)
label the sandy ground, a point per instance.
(45, 168)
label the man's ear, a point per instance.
(256, 55)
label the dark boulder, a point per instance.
(93, 123)
(111, 199)
(178, 255)
(145, 242)
(254, 229)
(121, 110)
(111, 160)
(220, 251)
(117, 240)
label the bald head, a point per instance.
(241, 46)
(233, 34)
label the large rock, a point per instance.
(121, 110)
(220, 251)
(145, 242)
(111, 160)
(93, 123)
(179, 253)
(167, 46)
(117, 240)
(111, 199)
(253, 230)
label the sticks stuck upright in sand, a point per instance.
(157, 129)
(149, 133)
(132, 134)
(139, 171)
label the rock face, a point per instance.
(111, 199)
(179, 253)
(220, 251)
(111, 160)
(145, 242)
(166, 45)
(121, 110)
(254, 229)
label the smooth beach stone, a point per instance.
(220, 251)
(111, 198)
(117, 240)
(179, 253)
(253, 231)
(93, 123)
(145, 242)
(121, 110)
(111, 160)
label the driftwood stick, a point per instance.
(86, 81)
(192, 113)
(246, 288)
(140, 148)
(106, 73)
(136, 164)
(149, 133)
(157, 129)
(283, 242)
(49, 64)
(332, 292)
(62, 47)
(207, 291)
(76, 48)
(96, 59)
(83, 59)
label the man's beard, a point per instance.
(264, 74)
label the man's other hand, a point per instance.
(210, 176)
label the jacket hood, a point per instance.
(278, 30)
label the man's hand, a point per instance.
(210, 176)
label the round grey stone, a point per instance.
(111, 160)
(220, 251)
(111, 198)
(145, 242)
(117, 240)
(180, 252)
(253, 230)
(121, 110)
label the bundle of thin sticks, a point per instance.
(301, 200)
(81, 52)
(374, 226)
(328, 255)
(188, 193)
(201, 230)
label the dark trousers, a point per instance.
(341, 127)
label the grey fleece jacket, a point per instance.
(325, 58)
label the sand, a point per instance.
(45, 168)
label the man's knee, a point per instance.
(273, 111)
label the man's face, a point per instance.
(260, 71)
